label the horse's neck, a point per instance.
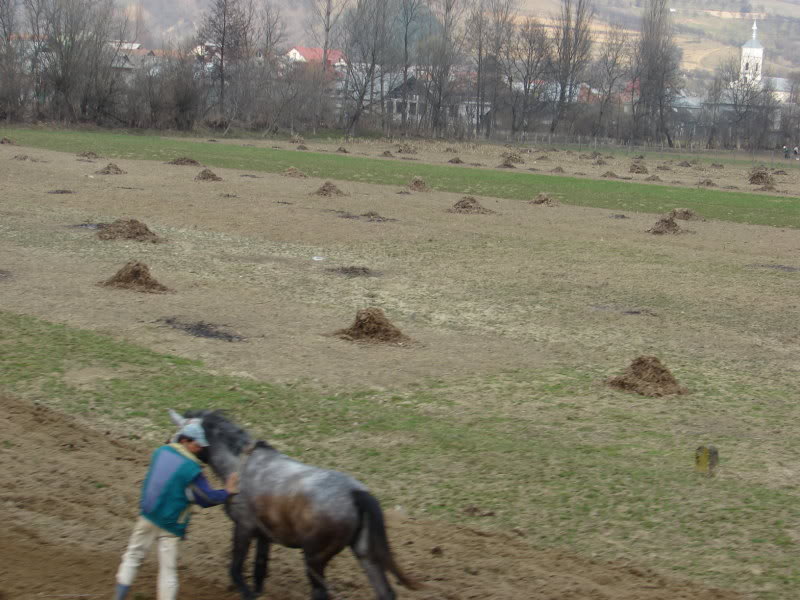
(225, 463)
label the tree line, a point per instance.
(469, 68)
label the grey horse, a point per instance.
(296, 505)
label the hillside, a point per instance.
(706, 32)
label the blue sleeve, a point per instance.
(204, 494)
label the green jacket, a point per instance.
(164, 499)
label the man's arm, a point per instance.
(204, 495)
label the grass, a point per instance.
(552, 452)
(728, 206)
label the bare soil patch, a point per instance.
(353, 271)
(665, 225)
(110, 169)
(648, 377)
(328, 190)
(469, 205)
(184, 161)
(372, 325)
(128, 229)
(135, 276)
(202, 329)
(207, 175)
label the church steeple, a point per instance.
(752, 58)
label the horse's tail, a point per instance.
(377, 542)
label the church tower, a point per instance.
(752, 59)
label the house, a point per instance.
(304, 54)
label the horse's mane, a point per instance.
(219, 429)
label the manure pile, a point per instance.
(469, 206)
(127, 229)
(328, 190)
(664, 225)
(135, 276)
(371, 325)
(207, 175)
(184, 161)
(110, 169)
(648, 377)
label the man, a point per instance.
(174, 482)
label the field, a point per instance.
(507, 465)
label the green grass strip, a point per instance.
(617, 195)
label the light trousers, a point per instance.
(142, 538)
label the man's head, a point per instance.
(192, 436)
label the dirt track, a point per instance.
(68, 499)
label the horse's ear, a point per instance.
(176, 418)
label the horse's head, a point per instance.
(226, 439)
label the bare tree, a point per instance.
(712, 107)
(323, 18)
(227, 30)
(409, 17)
(73, 61)
(572, 51)
(501, 31)
(477, 35)
(741, 97)
(440, 52)
(364, 38)
(528, 62)
(612, 70)
(656, 70)
(11, 75)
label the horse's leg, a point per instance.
(375, 572)
(261, 567)
(241, 544)
(315, 570)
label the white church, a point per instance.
(752, 68)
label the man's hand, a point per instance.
(232, 483)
